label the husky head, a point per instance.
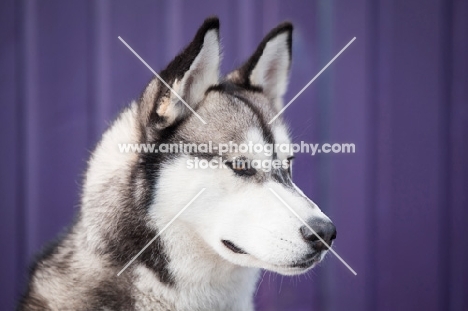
(243, 217)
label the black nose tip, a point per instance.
(323, 228)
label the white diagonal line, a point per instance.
(313, 231)
(161, 231)
(161, 79)
(313, 79)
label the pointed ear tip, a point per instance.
(284, 27)
(210, 23)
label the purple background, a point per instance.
(399, 92)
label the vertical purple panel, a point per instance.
(11, 262)
(143, 26)
(30, 128)
(100, 111)
(349, 172)
(174, 23)
(457, 269)
(381, 184)
(57, 115)
(246, 30)
(410, 257)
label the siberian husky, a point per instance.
(209, 258)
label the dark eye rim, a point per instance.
(246, 171)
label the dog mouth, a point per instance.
(233, 247)
(308, 262)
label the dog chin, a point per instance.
(291, 269)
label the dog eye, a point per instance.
(241, 166)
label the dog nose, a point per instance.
(323, 228)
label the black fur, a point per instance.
(111, 295)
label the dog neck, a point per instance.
(202, 279)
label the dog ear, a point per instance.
(189, 74)
(268, 67)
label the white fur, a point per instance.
(245, 213)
